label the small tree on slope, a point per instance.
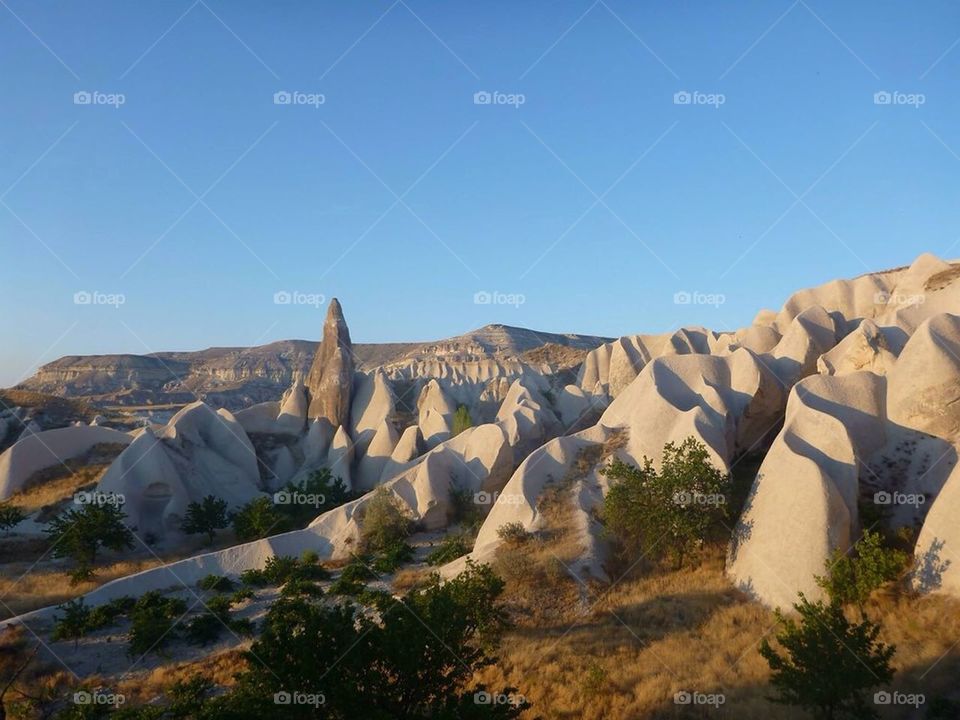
(829, 664)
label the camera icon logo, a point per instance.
(682, 98)
(482, 97)
(282, 97)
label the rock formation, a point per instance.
(330, 381)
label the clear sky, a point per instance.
(583, 188)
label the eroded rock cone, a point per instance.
(330, 380)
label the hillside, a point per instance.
(235, 377)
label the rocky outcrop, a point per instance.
(37, 451)
(330, 380)
(199, 452)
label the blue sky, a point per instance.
(594, 201)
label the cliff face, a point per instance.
(237, 377)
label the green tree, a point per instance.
(670, 512)
(385, 524)
(259, 518)
(206, 517)
(394, 668)
(313, 496)
(829, 664)
(461, 420)
(79, 535)
(10, 517)
(852, 578)
(75, 622)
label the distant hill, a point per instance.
(235, 377)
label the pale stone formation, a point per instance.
(435, 414)
(614, 365)
(260, 418)
(199, 452)
(292, 415)
(377, 455)
(37, 451)
(373, 402)
(340, 457)
(408, 449)
(873, 435)
(317, 441)
(330, 381)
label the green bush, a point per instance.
(10, 517)
(322, 488)
(204, 629)
(461, 420)
(852, 578)
(384, 522)
(450, 548)
(260, 518)
(74, 623)
(392, 557)
(828, 664)
(152, 622)
(216, 583)
(669, 513)
(513, 533)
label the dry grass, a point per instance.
(626, 650)
(221, 668)
(25, 587)
(47, 488)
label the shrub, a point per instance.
(216, 583)
(204, 629)
(513, 533)
(240, 595)
(10, 517)
(392, 557)
(153, 617)
(298, 587)
(282, 568)
(670, 512)
(851, 579)
(461, 420)
(450, 548)
(464, 510)
(829, 663)
(75, 622)
(259, 518)
(384, 522)
(326, 491)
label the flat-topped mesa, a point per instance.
(330, 380)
